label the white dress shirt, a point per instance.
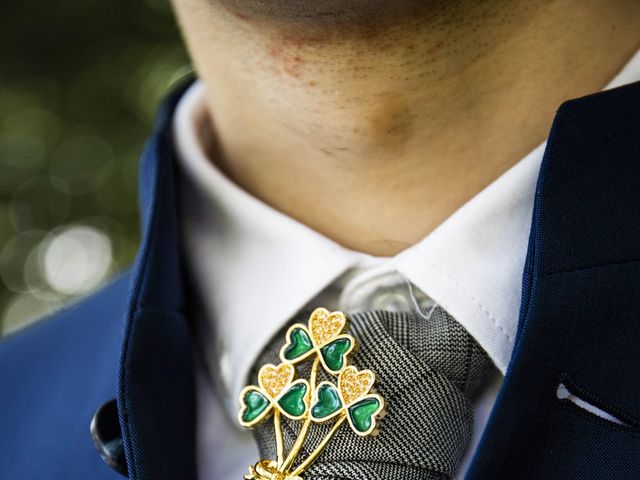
(255, 268)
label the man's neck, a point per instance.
(375, 134)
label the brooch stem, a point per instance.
(279, 440)
(295, 449)
(316, 453)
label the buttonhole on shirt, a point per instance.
(567, 393)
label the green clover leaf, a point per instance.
(328, 402)
(322, 337)
(352, 397)
(276, 390)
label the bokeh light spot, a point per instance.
(76, 259)
(25, 309)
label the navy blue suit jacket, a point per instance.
(579, 325)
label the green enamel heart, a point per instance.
(255, 403)
(300, 344)
(361, 413)
(334, 353)
(292, 401)
(328, 402)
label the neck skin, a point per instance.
(373, 134)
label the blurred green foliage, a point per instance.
(79, 84)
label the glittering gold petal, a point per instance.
(354, 384)
(325, 325)
(274, 379)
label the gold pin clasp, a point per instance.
(267, 470)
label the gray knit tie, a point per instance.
(429, 369)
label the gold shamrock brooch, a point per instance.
(348, 396)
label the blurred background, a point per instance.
(79, 84)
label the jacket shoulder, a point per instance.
(53, 377)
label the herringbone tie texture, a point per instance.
(429, 369)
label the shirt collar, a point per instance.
(472, 264)
(267, 265)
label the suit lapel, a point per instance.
(580, 314)
(155, 397)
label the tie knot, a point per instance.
(428, 368)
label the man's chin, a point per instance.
(319, 12)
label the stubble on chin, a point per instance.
(319, 13)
